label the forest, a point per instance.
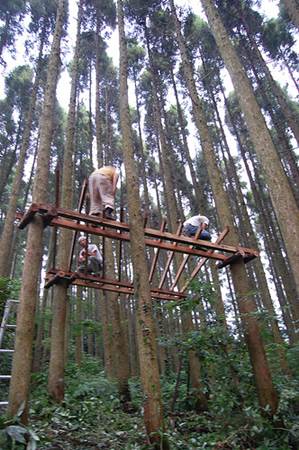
(156, 143)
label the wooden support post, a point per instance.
(204, 260)
(55, 276)
(120, 245)
(80, 206)
(155, 259)
(185, 260)
(170, 257)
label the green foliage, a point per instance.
(9, 288)
(14, 435)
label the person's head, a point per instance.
(82, 241)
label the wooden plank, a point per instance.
(150, 232)
(184, 262)
(202, 261)
(155, 259)
(170, 257)
(129, 291)
(125, 236)
(97, 282)
(80, 206)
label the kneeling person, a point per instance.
(94, 257)
(190, 227)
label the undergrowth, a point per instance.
(91, 417)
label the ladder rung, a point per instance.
(5, 377)
(10, 326)
(13, 301)
(3, 403)
(6, 350)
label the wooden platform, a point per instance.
(160, 240)
(55, 276)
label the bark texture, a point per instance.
(60, 299)
(153, 412)
(266, 392)
(20, 381)
(292, 7)
(282, 197)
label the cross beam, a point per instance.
(118, 230)
(56, 276)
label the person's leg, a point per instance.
(106, 190)
(189, 230)
(205, 235)
(94, 265)
(96, 205)
(84, 268)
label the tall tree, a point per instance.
(22, 361)
(7, 233)
(266, 392)
(281, 194)
(60, 298)
(292, 9)
(11, 14)
(153, 412)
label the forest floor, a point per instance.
(90, 418)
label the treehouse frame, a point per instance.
(77, 221)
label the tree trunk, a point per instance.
(247, 307)
(8, 229)
(153, 412)
(78, 321)
(22, 361)
(292, 8)
(60, 299)
(97, 96)
(281, 194)
(8, 161)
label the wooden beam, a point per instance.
(27, 216)
(170, 257)
(80, 206)
(150, 232)
(231, 260)
(155, 259)
(77, 278)
(125, 236)
(185, 260)
(202, 261)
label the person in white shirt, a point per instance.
(92, 254)
(190, 227)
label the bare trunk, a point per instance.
(78, 319)
(247, 307)
(22, 361)
(292, 8)
(8, 229)
(153, 412)
(60, 299)
(281, 194)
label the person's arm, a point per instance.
(82, 256)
